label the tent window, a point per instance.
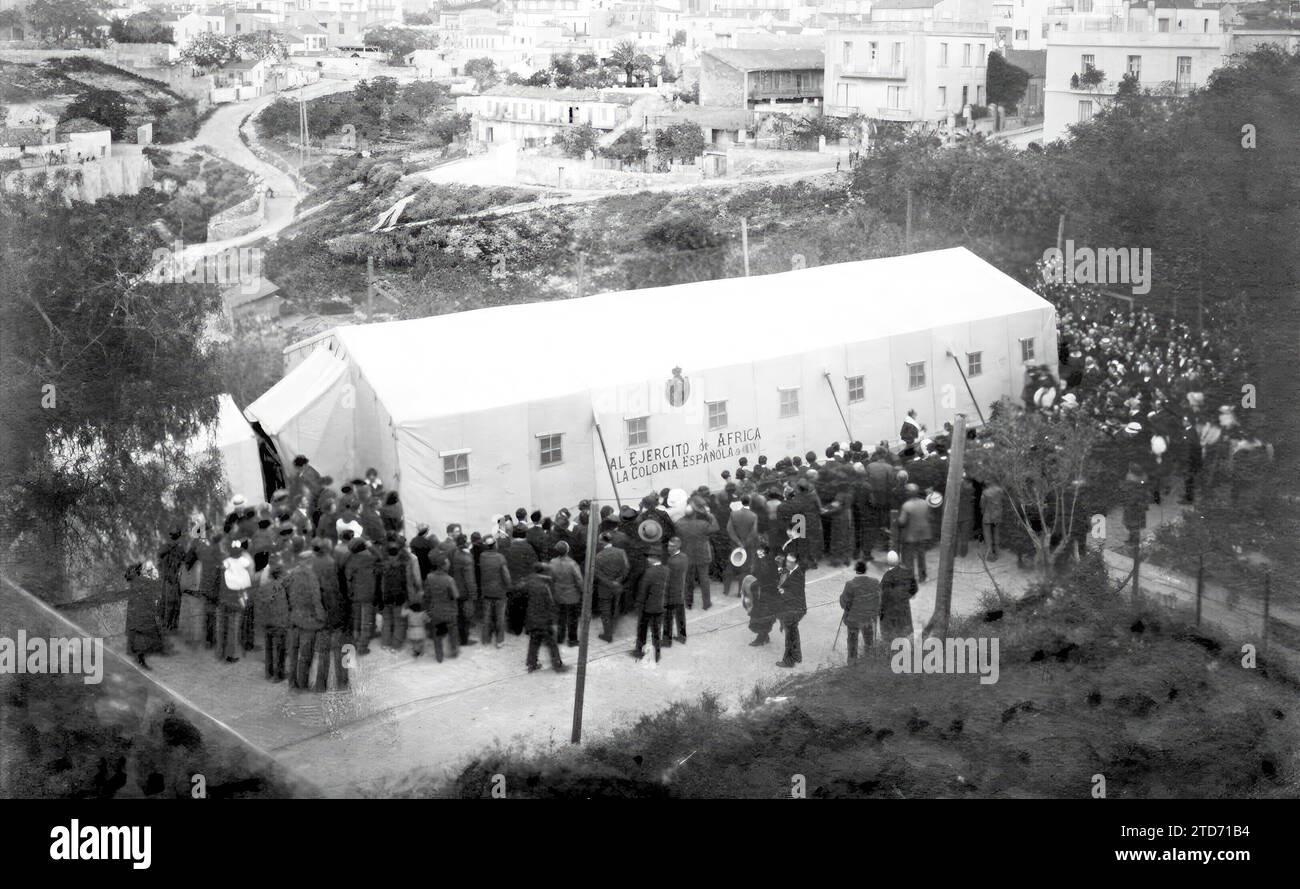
(551, 450)
(638, 431)
(1027, 349)
(789, 402)
(455, 469)
(717, 415)
(857, 389)
(974, 364)
(916, 375)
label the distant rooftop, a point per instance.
(81, 125)
(905, 4)
(564, 95)
(770, 59)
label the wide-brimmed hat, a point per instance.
(739, 556)
(650, 531)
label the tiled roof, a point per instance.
(770, 59)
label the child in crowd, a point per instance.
(414, 614)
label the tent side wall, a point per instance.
(374, 435)
(502, 454)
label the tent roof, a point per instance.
(299, 388)
(471, 361)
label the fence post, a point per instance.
(1267, 578)
(1137, 561)
(1200, 587)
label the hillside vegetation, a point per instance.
(1090, 685)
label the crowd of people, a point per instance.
(319, 567)
(1167, 395)
(322, 566)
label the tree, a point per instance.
(280, 118)
(425, 95)
(624, 56)
(680, 141)
(58, 21)
(261, 45)
(209, 50)
(643, 67)
(1092, 77)
(1006, 82)
(1041, 461)
(782, 126)
(449, 127)
(103, 382)
(628, 148)
(143, 27)
(484, 72)
(107, 107)
(397, 42)
(578, 141)
(810, 129)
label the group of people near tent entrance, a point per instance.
(321, 566)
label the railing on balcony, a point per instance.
(789, 92)
(879, 70)
(894, 114)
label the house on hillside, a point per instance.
(748, 78)
(251, 309)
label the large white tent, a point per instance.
(476, 413)
(236, 442)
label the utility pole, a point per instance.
(304, 151)
(907, 232)
(370, 286)
(1060, 234)
(744, 242)
(938, 625)
(584, 629)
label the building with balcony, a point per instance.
(912, 71)
(1170, 49)
(750, 78)
(533, 115)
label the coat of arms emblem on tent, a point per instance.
(678, 388)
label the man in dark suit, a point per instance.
(742, 532)
(861, 603)
(650, 597)
(694, 529)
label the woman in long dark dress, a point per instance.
(762, 613)
(143, 631)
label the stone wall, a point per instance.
(89, 181)
(567, 172)
(246, 216)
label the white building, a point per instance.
(674, 415)
(191, 25)
(534, 115)
(910, 71)
(1169, 49)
